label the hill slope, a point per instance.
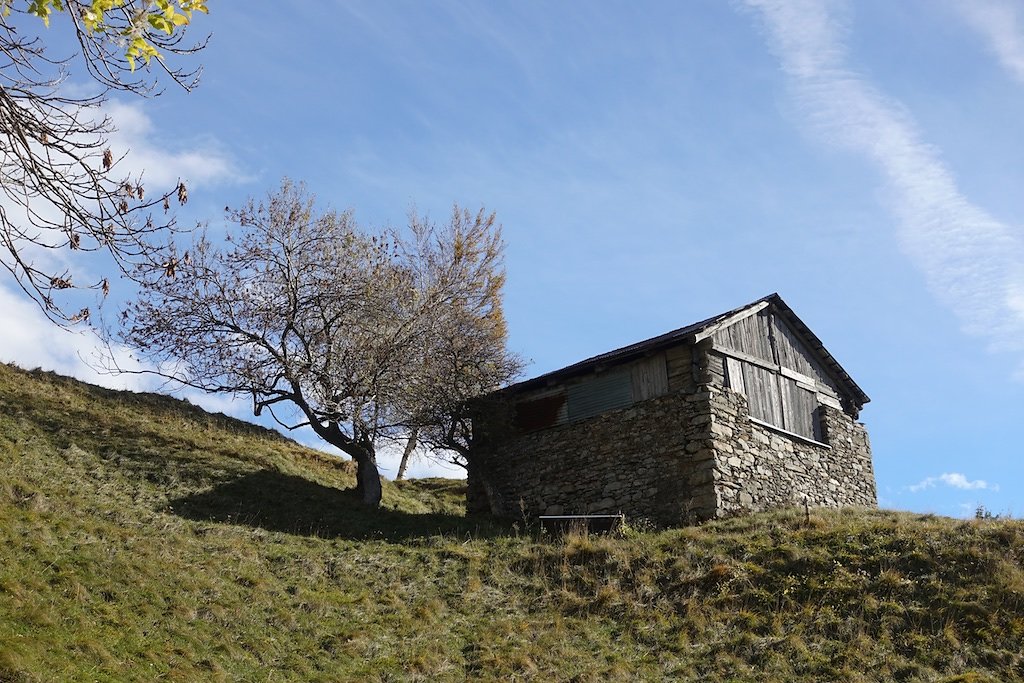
(143, 539)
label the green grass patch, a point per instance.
(143, 539)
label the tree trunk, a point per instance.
(410, 446)
(367, 476)
(368, 480)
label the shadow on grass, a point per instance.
(280, 502)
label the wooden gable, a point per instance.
(767, 339)
(783, 378)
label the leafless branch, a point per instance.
(61, 191)
(371, 336)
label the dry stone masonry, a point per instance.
(759, 468)
(706, 421)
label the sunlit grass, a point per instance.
(142, 539)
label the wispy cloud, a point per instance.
(202, 160)
(31, 341)
(1001, 22)
(972, 262)
(954, 480)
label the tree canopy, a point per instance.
(60, 186)
(363, 336)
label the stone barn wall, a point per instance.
(635, 460)
(759, 468)
(677, 459)
(679, 428)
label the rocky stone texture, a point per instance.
(677, 459)
(635, 460)
(759, 467)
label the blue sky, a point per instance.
(654, 164)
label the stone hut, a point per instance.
(742, 411)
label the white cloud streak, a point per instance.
(203, 162)
(32, 341)
(1001, 22)
(29, 339)
(954, 480)
(972, 262)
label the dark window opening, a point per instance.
(540, 412)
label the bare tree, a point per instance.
(60, 188)
(347, 330)
(465, 357)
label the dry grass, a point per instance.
(142, 539)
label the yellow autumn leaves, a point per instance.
(137, 20)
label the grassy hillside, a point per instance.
(142, 539)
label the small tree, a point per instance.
(466, 358)
(353, 332)
(60, 189)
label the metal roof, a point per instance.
(687, 335)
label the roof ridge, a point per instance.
(681, 334)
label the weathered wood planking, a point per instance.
(734, 375)
(600, 393)
(729, 320)
(750, 335)
(767, 340)
(800, 410)
(715, 369)
(763, 394)
(649, 377)
(679, 363)
(774, 399)
(795, 355)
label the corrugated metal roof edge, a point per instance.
(661, 341)
(628, 352)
